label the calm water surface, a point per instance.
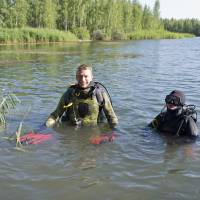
(140, 164)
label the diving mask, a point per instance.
(174, 100)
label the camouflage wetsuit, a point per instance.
(84, 106)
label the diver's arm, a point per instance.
(55, 115)
(59, 109)
(109, 112)
(155, 123)
(191, 128)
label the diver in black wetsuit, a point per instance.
(178, 119)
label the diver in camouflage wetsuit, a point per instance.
(84, 103)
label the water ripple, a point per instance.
(140, 163)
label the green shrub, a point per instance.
(98, 35)
(116, 35)
(3, 36)
(82, 33)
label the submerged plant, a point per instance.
(8, 102)
(18, 134)
(19, 131)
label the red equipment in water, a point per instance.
(99, 139)
(35, 138)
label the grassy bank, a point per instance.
(157, 34)
(33, 35)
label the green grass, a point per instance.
(43, 35)
(33, 35)
(157, 34)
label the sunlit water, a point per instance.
(139, 164)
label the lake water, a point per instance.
(139, 164)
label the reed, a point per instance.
(157, 34)
(8, 102)
(33, 35)
(43, 35)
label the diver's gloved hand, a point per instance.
(50, 122)
(99, 139)
(113, 126)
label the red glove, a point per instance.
(99, 139)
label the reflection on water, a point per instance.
(139, 164)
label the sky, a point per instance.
(178, 9)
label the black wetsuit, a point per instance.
(175, 123)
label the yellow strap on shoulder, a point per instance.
(68, 105)
(73, 84)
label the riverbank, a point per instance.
(33, 35)
(158, 34)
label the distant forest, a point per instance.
(182, 25)
(107, 16)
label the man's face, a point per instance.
(84, 77)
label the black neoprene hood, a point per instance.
(180, 95)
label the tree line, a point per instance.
(107, 16)
(182, 25)
(89, 18)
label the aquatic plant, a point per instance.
(8, 102)
(18, 134)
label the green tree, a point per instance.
(147, 18)
(49, 14)
(13, 13)
(182, 25)
(4, 13)
(62, 15)
(117, 18)
(137, 14)
(42, 13)
(127, 16)
(21, 8)
(156, 9)
(35, 13)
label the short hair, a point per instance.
(83, 67)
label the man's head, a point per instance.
(175, 100)
(84, 75)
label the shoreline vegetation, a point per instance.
(47, 21)
(44, 35)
